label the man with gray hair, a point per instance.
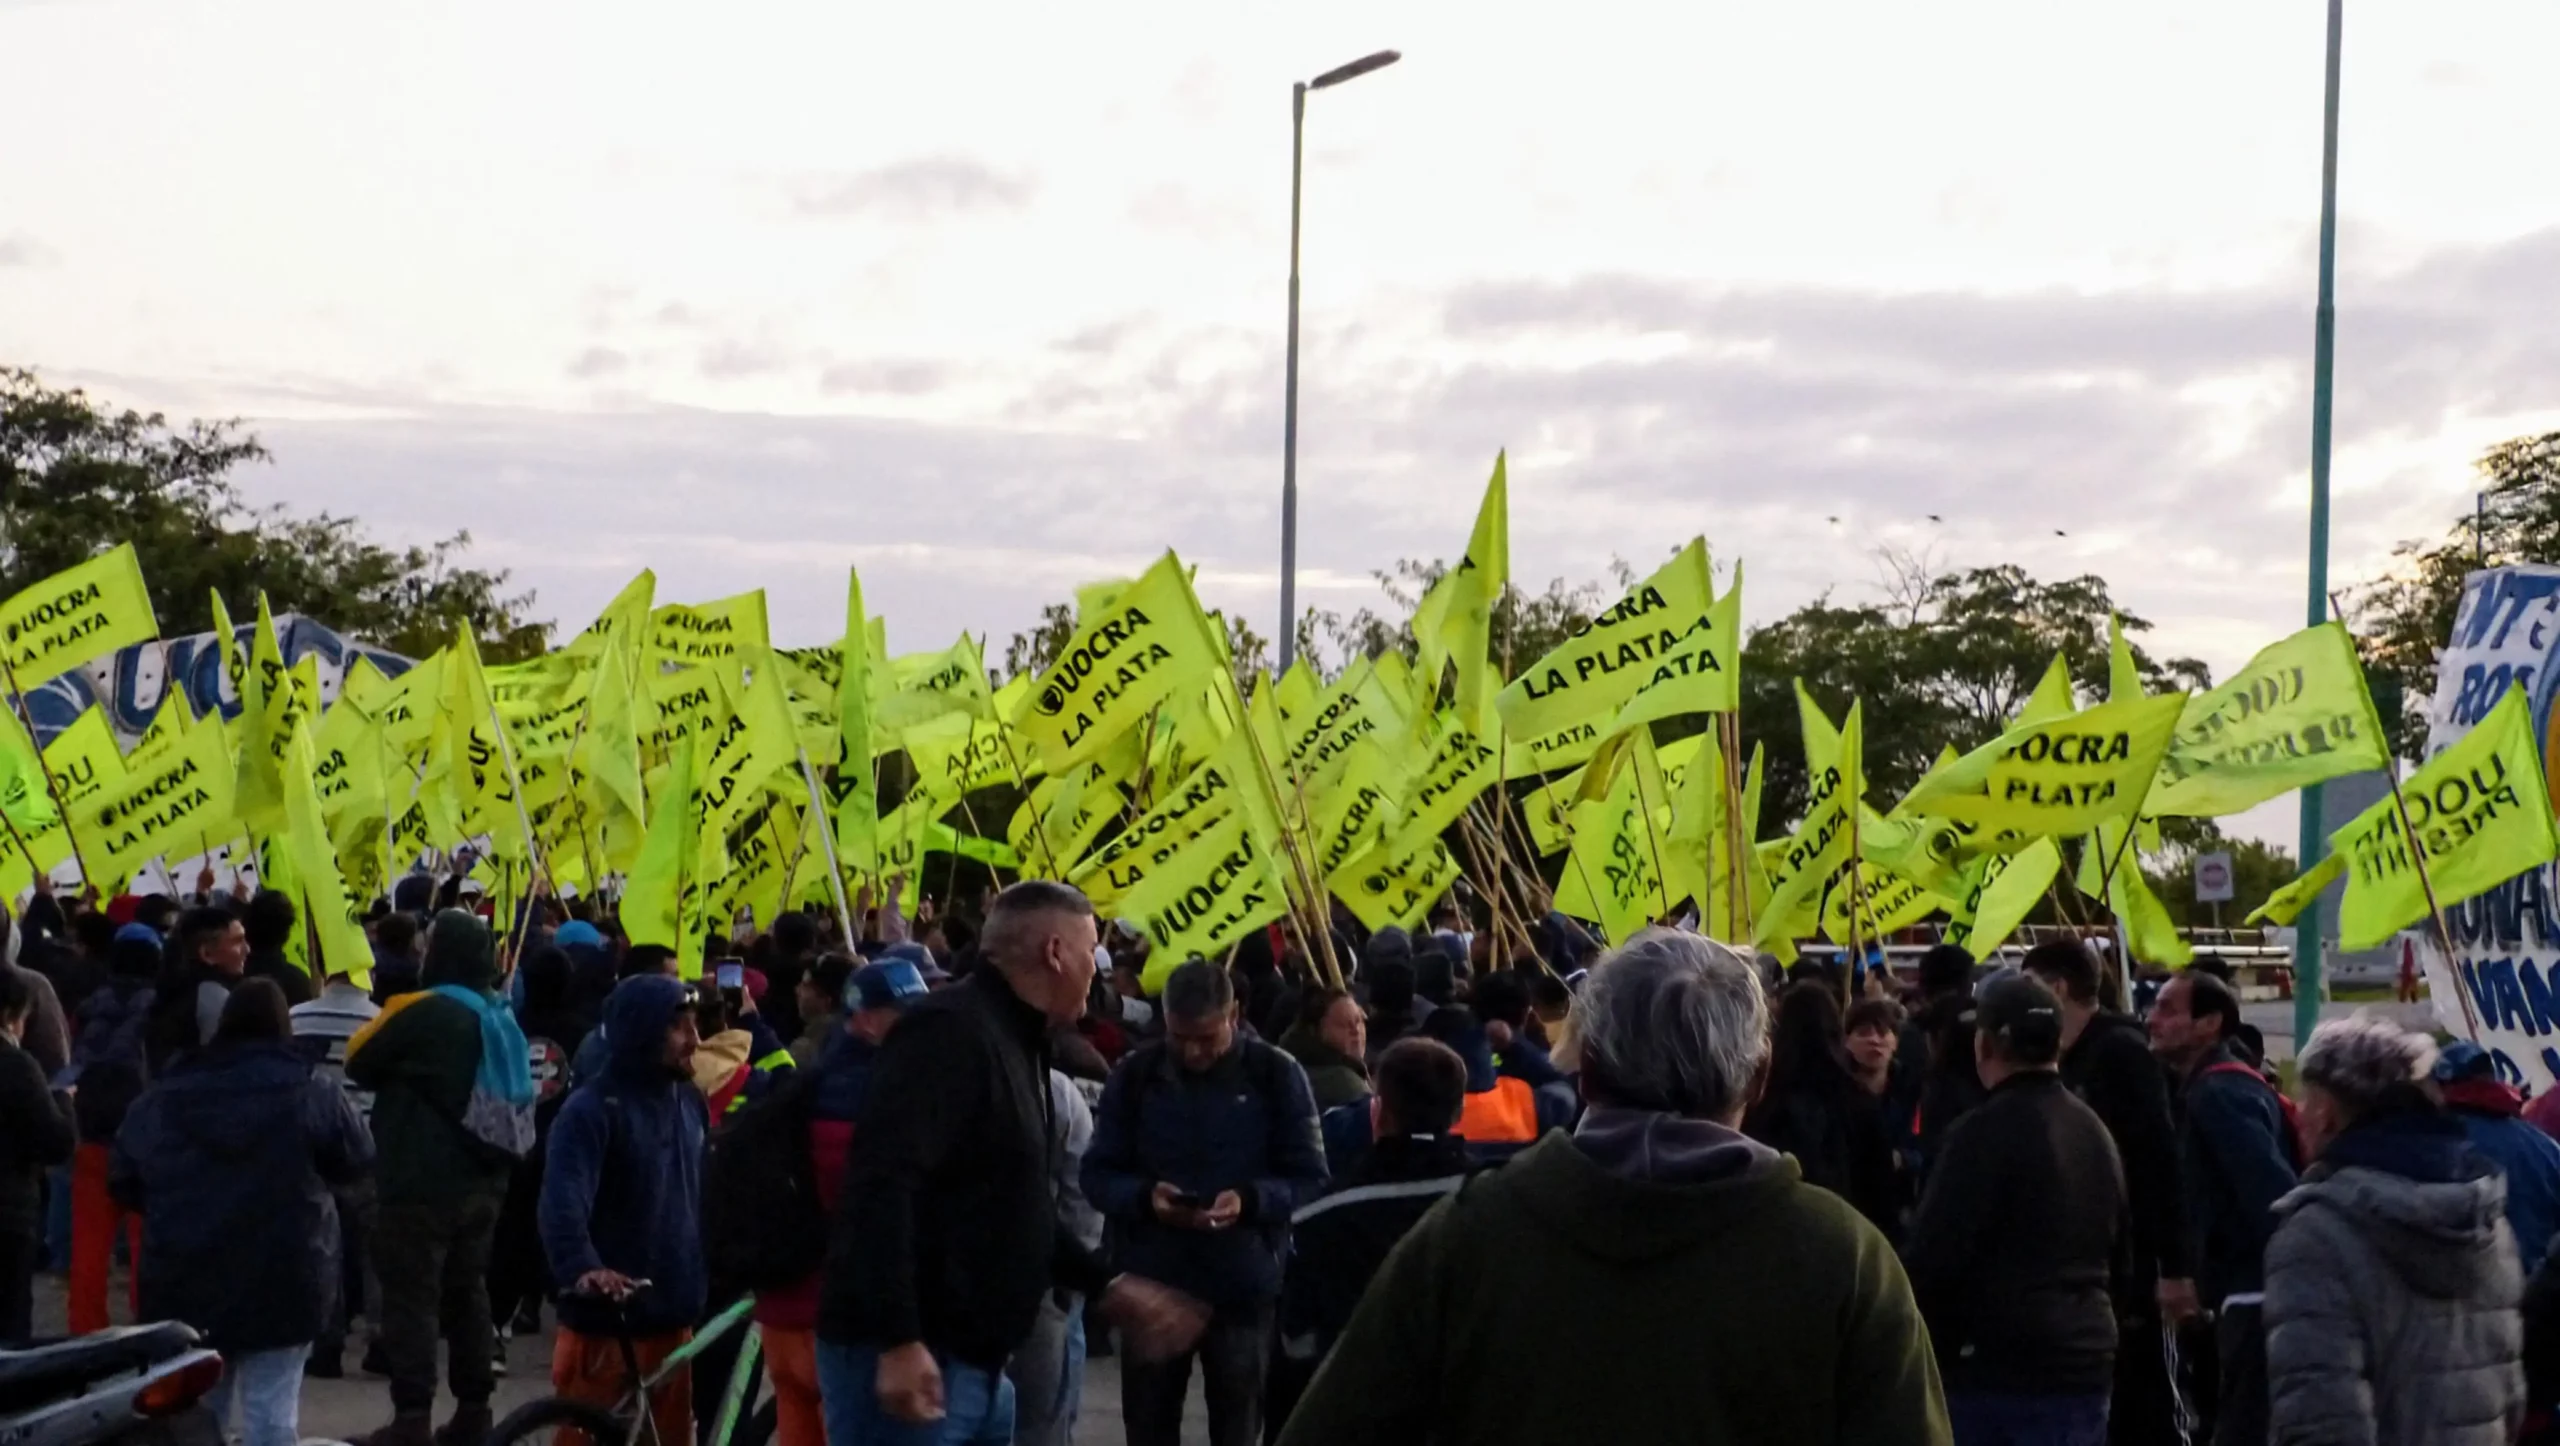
(1203, 1146)
(1709, 1293)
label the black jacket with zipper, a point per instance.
(2111, 1068)
(948, 1231)
(2015, 1241)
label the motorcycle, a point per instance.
(134, 1386)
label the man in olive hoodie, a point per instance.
(440, 1187)
(1711, 1294)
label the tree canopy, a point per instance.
(77, 477)
(2404, 617)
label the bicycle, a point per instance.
(630, 1422)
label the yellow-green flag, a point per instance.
(655, 895)
(2296, 714)
(731, 630)
(1462, 765)
(1615, 873)
(1150, 642)
(2477, 814)
(169, 725)
(481, 770)
(1663, 630)
(174, 801)
(1454, 622)
(624, 619)
(335, 910)
(926, 686)
(267, 715)
(754, 743)
(858, 814)
(2286, 904)
(84, 762)
(2000, 891)
(1825, 843)
(1206, 896)
(77, 615)
(1391, 887)
(2062, 776)
(609, 750)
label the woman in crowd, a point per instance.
(1814, 1109)
(229, 1156)
(2392, 1279)
(1330, 1041)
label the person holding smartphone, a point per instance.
(1203, 1145)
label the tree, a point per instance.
(2403, 618)
(77, 477)
(2257, 870)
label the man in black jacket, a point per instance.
(948, 1233)
(1338, 1242)
(2011, 1252)
(2107, 1061)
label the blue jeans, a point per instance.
(1992, 1418)
(977, 1404)
(57, 1217)
(261, 1395)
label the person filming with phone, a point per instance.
(1203, 1145)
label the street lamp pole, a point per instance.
(1289, 424)
(2308, 962)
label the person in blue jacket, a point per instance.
(2492, 1114)
(229, 1157)
(1204, 1145)
(2240, 1155)
(622, 1203)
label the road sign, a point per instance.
(2213, 879)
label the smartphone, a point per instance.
(730, 975)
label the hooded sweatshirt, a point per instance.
(1654, 1244)
(421, 1057)
(622, 1188)
(2392, 1293)
(230, 1157)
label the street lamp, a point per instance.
(1289, 426)
(2308, 963)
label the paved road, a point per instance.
(2275, 1020)
(342, 1409)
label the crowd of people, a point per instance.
(1665, 1192)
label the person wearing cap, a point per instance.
(2392, 1286)
(2107, 1062)
(2491, 1112)
(875, 997)
(2010, 1250)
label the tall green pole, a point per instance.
(2307, 960)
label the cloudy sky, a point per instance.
(989, 299)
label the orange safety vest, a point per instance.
(1505, 1114)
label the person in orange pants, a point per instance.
(96, 1220)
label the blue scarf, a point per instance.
(506, 1065)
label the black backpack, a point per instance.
(764, 1226)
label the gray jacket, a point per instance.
(2391, 1312)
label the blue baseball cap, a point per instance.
(2462, 1059)
(888, 984)
(140, 934)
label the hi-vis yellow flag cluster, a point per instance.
(76, 615)
(1666, 647)
(2477, 815)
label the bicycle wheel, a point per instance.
(537, 1423)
